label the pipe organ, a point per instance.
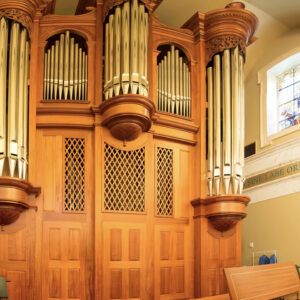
(126, 58)
(173, 78)
(14, 71)
(106, 189)
(65, 75)
(225, 97)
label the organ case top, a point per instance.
(131, 205)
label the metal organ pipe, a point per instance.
(126, 54)
(173, 93)
(225, 96)
(14, 47)
(65, 72)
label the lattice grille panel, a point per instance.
(124, 179)
(164, 181)
(74, 174)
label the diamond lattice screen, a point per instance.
(74, 174)
(164, 181)
(124, 179)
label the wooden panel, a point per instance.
(17, 246)
(165, 281)
(179, 279)
(173, 274)
(17, 287)
(74, 284)
(55, 246)
(116, 244)
(74, 244)
(165, 245)
(213, 251)
(134, 244)
(179, 245)
(183, 184)
(125, 277)
(213, 282)
(134, 283)
(116, 284)
(52, 182)
(54, 281)
(63, 254)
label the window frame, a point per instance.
(267, 79)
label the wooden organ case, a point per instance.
(133, 131)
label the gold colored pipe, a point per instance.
(226, 88)
(173, 79)
(25, 117)
(66, 64)
(159, 86)
(180, 86)
(79, 73)
(242, 119)
(134, 77)
(45, 75)
(162, 87)
(210, 167)
(189, 94)
(76, 66)
(125, 47)
(177, 98)
(56, 69)
(217, 123)
(165, 84)
(3, 72)
(20, 105)
(86, 77)
(117, 52)
(185, 88)
(111, 56)
(146, 35)
(12, 97)
(141, 49)
(48, 72)
(61, 66)
(106, 63)
(169, 82)
(52, 71)
(235, 118)
(71, 81)
(83, 75)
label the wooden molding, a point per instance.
(224, 28)
(24, 11)
(229, 27)
(14, 198)
(127, 116)
(222, 211)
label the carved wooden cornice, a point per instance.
(24, 11)
(224, 28)
(150, 4)
(229, 27)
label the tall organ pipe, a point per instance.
(126, 54)
(65, 72)
(3, 83)
(225, 96)
(14, 48)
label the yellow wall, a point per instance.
(273, 224)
